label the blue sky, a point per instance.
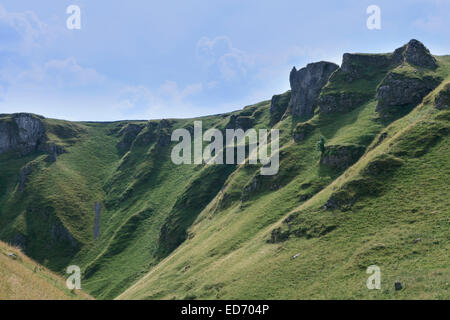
(157, 59)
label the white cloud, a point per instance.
(230, 61)
(21, 31)
(167, 100)
(56, 74)
(170, 90)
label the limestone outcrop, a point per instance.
(306, 85)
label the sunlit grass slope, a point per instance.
(392, 211)
(196, 231)
(23, 279)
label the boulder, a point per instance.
(398, 286)
(306, 85)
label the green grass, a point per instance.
(378, 229)
(197, 231)
(24, 279)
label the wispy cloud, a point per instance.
(231, 62)
(21, 31)
(60, 74)
(168, 99)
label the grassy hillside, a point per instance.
(23, 279)
(141, 227)
(391, 210)
(399, 222)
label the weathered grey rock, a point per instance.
(24, 174)
(355, 65)
(148, 134)
(398, 91)
(240, 122)
(278, 236)
(442, 100)
(340, 102)
(53, 150)
(22, 132)
(51, 229)
(341, 157)
(129, 133)
(381, 165)
(306, 84)
(250, 188)
(12, 255)
(417, 54)
(59, 233)
(164, 136)
(278, 106)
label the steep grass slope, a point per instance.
(389, 209)
(394, 214)
(23, 279)
(107, 197)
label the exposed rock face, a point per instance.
(415, 53)
(22, 132)
(341, 157)
(354, 65)
(147, 134)
(277, 236)
(341, 102)
(24, 174)
(382, 165)
(398, 91)
(129, 133)
(442, 100)
(53, 150)
(348, 194)
(48, 230)
(254, 185)
(306, 84)
(240, 122)
(163, 133)
(278, 106)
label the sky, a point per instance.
(145, 59)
